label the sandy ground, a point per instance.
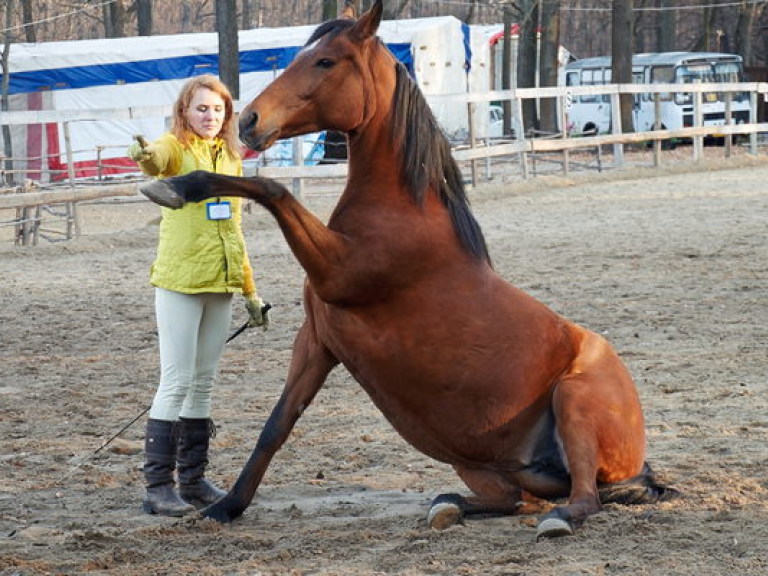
(671, 265)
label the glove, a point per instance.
(140, 151)
(258, 312)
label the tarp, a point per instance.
(149, 71)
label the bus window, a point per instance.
(727, 72)
(638, 78)
(730, 72)
(690, 73)
(591, 77)
(663, 75)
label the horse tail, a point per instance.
(641, 489)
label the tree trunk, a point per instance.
(114, 19)
(667, 29)
(744, 29)
(7, 40)
(506, 69)
(330, 10)
(246, 22)
(144, 17)
(30, 32)
(527, 59)
(550, 60)
(621, 57)
(229, 57)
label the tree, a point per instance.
(7, 40)
(550, 60)
(144, 16)
(527, 57)
(330, 10)
(229, 57)
(665, 39)
(114, 19)
(30, 32)
(621, 56)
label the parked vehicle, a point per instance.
(592, 113)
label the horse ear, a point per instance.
(368, 23)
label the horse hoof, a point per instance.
(553, 527)
(162, 194)
(218, 513)
(443, 515)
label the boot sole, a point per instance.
(149, 508)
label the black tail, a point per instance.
(641, 489)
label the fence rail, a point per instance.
(521, 147)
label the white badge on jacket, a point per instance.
(219, 210)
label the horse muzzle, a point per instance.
(251, 136)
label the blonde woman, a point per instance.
(201, 262)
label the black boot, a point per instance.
(192, 459)
(159, 463)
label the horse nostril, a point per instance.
(248, 122)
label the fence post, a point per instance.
(616, 128)
(657, 126)
(72, 223)
(753, 120)
(472, 142)
(298, 160)
(728, 122)
(698, 122)
(565, 105)
(517, 121)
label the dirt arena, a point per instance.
(671, 265)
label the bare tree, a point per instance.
(114, 19)
(7, 40)
(229, 57)
(527, 57)
(30, 33)
(667, 20)
(394, 8)
(621, 56)
(550, 60)
(143, 10)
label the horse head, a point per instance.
(329, 85)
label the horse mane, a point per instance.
(426, 161)
(425, 153)
(330, 27)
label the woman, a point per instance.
(201, 262)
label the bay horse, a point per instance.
(526, 406)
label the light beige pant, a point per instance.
(192, 329)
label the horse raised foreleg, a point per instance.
(322, 252)
(310, 366)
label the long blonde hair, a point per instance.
(181, 128)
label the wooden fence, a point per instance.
(28, 204)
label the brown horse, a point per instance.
(525, 405)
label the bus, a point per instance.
(591, 114)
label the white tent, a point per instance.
(149, 71)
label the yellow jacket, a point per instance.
(196, 254)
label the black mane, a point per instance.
(426, 161)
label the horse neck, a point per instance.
(373, 160)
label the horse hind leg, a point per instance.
(641, 489)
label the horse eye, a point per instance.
(325, 63)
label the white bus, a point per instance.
(592, 113)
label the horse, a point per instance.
(535, 413)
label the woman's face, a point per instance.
(206, 113)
